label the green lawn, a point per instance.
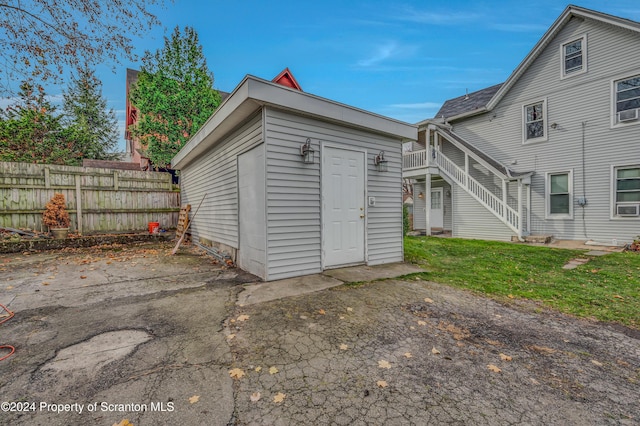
(606, 288)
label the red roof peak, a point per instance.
(286, 78)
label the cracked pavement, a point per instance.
(388, 352)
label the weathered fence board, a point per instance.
(107, 200)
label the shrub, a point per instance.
(55, 214)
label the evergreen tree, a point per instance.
(94, 125)
(174, 96)
(32, 132)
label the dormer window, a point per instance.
(574, 57)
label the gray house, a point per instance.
(553, 151)
(295, 183)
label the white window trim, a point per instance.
(563, 73)
(544, 138)
(613, 191)
(614, 114)
(547, 195)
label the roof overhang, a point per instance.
(253, 93)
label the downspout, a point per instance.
(583, 201)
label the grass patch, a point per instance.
(606, 288)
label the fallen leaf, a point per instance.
(344, 347)
(82, 277)
(598, 363)
(273, 370)
(511, 296)
(493, 368)
(236, 373)
(279, 397)
(422, 323)
(258, 369)
(617, 296)
(45, 283)
(493, 342)
(541, 349)
(242, 318)
(505, 357)
(10, 287)
(382, 384)
(435, 351)
(408, 355)
(255, 397)
(303, 317)
(124, 422)
(350, 309)
(426, 299)
(322, 312)
(231, 336)
(384, 364)
(194, 399)
(412, 328)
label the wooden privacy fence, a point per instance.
(98, 200)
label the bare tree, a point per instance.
(43, 38)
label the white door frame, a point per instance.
(324, 145)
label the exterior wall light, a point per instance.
(306, 152)
(380, 162)
(421, 195)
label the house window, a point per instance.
(559, 195)
(534, 122)
(627, 191)
(574, 57)
(627, 100)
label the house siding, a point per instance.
(216, 175)
(294, 234)
(419, 205)
(583, 142)
(472, 220)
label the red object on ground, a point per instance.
(154, 227)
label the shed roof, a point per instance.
(253, 93)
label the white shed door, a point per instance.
(251, 215)
(343, 208)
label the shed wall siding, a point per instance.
(581, 107)
(216, 174)
(294, 234)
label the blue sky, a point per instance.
(401, 59)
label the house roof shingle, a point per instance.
(467, 103)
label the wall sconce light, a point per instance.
(554, 125)
(306, 152)
(380, 162)
(448, 193)
(421, 195)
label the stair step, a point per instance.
(536, 239)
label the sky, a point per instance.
(401, 59)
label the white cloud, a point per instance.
(520, 28)
(382, 52)
(448, 18)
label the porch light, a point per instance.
(306, 152)
(421, 195)
(380, 162)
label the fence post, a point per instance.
(47, 178)
(79, 203)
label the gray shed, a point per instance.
(279, 213)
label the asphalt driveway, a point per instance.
(127, 333)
